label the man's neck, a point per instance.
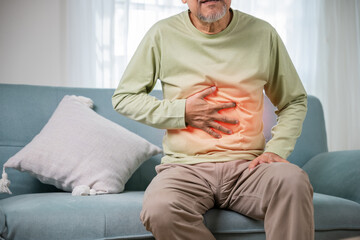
(211, 28)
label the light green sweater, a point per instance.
(242, 61)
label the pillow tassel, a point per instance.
(83, 190)
(5, 183)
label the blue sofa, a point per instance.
(38, 211)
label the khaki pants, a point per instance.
(278, 193)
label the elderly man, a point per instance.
(214, 64)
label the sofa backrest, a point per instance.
(313, 138)
(25, 109)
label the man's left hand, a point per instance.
(266, 157)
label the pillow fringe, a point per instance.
(5, 183)
(83, 190)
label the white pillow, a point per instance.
(79, 147)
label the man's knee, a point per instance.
(292, 180)
(159, 212)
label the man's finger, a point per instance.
(221, 128)
(253, 164)
(212, 132)
(271, 160)
(285, 161)
(222, 106)
(224, 119)
(206, 92)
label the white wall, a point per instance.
(33, 42)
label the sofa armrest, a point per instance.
(336, 174)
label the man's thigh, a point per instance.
(253, 191)
(182, 186)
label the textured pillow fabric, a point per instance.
(79, 147)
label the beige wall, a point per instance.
(32, 42)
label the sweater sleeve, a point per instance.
(287, 93)
(131, 96)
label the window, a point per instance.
(132, 19)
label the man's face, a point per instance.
(208, 10)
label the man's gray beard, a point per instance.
(214, 17)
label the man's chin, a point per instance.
(213, 13)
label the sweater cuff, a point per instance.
(283, 153)
(179, 110)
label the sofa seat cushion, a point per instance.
(116, 216)
(330, 213)
(59, 216)
(335, 213)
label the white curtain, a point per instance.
(337, 76)
(102, 35)
(90, 43)
(322, 37)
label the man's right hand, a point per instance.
(202, 115)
